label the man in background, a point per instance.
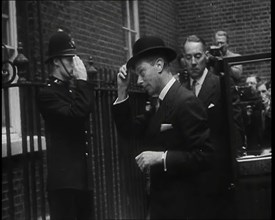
(216, 204)
(221, 41)
(252, 81)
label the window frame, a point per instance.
(13, 96)
(127, 30)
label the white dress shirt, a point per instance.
(199, 82)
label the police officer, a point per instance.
(66, 112)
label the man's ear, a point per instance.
(159, 64)
(182, 62)
(207, 56)
(56, 61)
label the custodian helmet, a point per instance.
(60, 45)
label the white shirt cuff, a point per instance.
(163, 157)
(117, 102)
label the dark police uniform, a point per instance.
(66, 113)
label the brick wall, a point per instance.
(247, 22)
(159, 18)
(18, 194)
(18, 185)
(96, 25)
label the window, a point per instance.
(130, 24)
(9, 28)
(9, 52)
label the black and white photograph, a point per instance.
(136, 109)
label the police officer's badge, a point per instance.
(72, 44)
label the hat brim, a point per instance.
(60, 55)
(168, 52)
(67, 53)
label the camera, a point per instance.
(215, 59)
(246, 93)
(215, 51)
(250, 100)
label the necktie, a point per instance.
(155, 103)
(194, 86)
(159, 102)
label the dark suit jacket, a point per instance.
(221, 175)
(66, 112)
(210, 96)
(173, 194)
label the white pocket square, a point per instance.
(164, 127)
(211, 105)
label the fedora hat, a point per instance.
(60, 45)
(149, 44)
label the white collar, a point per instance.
(166, 88)
(201, 79)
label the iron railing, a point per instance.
(24, 192)
(117, 182)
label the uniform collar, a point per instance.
(58, 81)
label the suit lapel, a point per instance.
(165, 111)
(168, 103)
(207, 89)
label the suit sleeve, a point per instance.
(236, 71)
(126, 125)
(51, 102)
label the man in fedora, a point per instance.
(66, 113)
(176, 147)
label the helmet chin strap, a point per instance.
(70, 75)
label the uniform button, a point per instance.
(87, 154)
(70, 91)
(86, 132)
(86, 142)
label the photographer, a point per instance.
(257, 126)
(264, 91)
(220, 50)
(252, 81)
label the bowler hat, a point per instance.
(147, 45)
(60, 45)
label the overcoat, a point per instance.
(179, 127)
